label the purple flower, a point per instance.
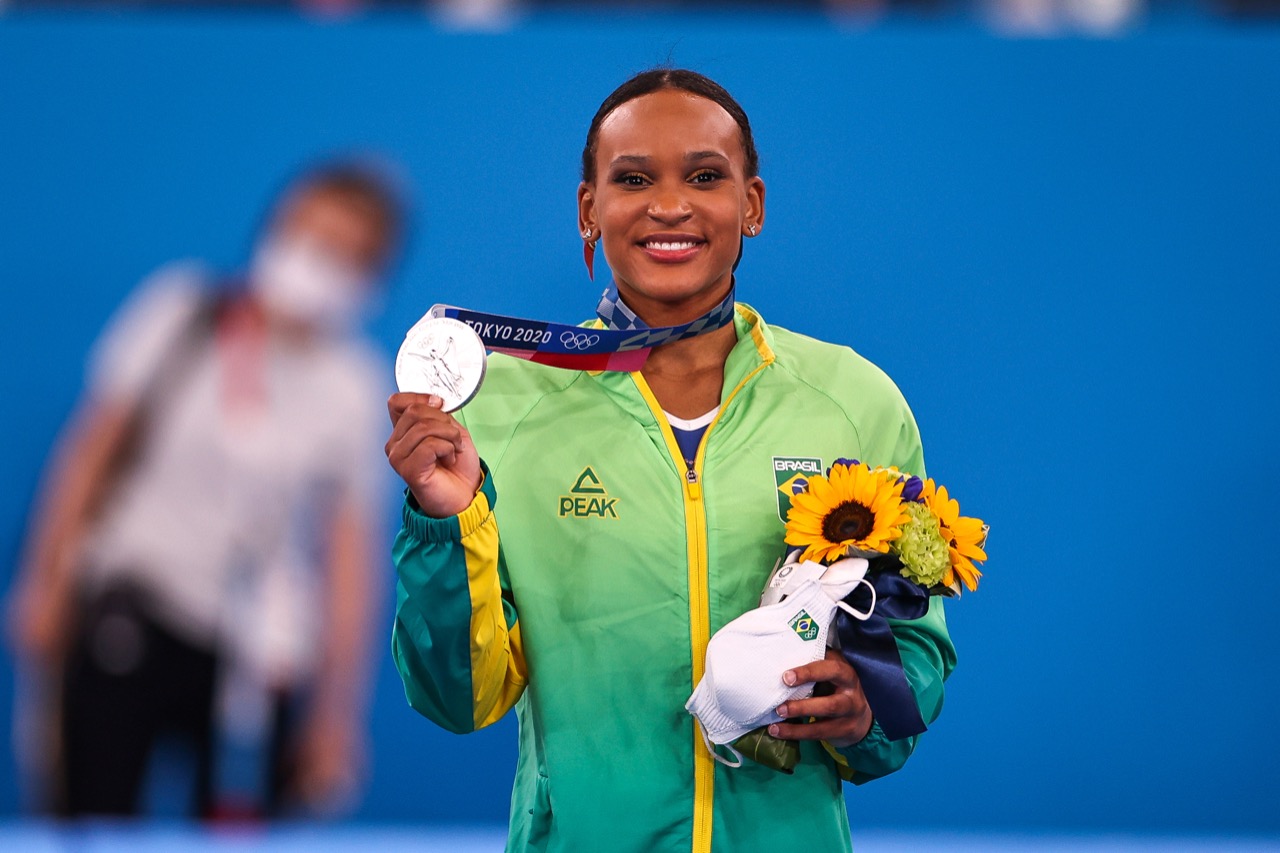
(848, 463)
(912, 488)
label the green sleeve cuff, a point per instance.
(854, 762)
(426, 529)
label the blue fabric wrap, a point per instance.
(871, 650)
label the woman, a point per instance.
(639, 513)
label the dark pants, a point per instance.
(130, 682)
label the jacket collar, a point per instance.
(753, 349)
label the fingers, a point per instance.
(433, 454)
(420, 450)
(843, 716)
(398, 403)
(837, 730)
(833, 668)
(420, 419)
(841, 704)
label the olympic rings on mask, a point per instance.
(571, 340)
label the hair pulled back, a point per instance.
(656, 80)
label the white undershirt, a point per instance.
(696, 423)
(689, 433)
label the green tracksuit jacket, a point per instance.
(586, 594)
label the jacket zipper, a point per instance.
(695, 521)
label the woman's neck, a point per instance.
(687, 376)
(657, 313)
(692, 356)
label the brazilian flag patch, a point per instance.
(791, 474)
(805, 626)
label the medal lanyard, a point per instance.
(622, 345)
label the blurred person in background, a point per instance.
(198, 570)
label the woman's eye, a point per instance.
(706, 176)
(631, 179)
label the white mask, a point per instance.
(298, 278)
(742, 686)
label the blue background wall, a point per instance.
(1064, 251)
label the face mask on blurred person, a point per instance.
(297, 278)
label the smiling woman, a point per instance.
(671, 199)
(597, 623)
(669, 181)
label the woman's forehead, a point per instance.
(668, 122)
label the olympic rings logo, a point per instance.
(578, 341)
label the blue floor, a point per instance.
(152, 838)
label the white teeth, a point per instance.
(670, 247)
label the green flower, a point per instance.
(921, 548)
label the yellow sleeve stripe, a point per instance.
(498, 674)
(842, 764)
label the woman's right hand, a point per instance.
(433, 453)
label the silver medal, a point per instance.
(441, 356)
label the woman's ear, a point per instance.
(587, 227)
(753, 218)
(587, 211)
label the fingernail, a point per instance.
(789, 678)
(434, 402)
(781, 710)
(773, 730)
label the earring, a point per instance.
(751, 229)
(589, 253)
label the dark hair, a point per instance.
(655, 80)
(363, 186)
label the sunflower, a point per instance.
(964, 536)
(852, 507)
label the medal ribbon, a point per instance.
(623, 345)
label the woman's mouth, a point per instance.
(671, 248)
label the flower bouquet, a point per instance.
(916, 543)
(894, 519)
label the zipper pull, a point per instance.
(691, 484)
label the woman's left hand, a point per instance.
(843, 716)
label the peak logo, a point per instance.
(588, 498)
(791, 475)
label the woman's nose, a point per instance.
(669, 206)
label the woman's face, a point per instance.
(671, 201)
